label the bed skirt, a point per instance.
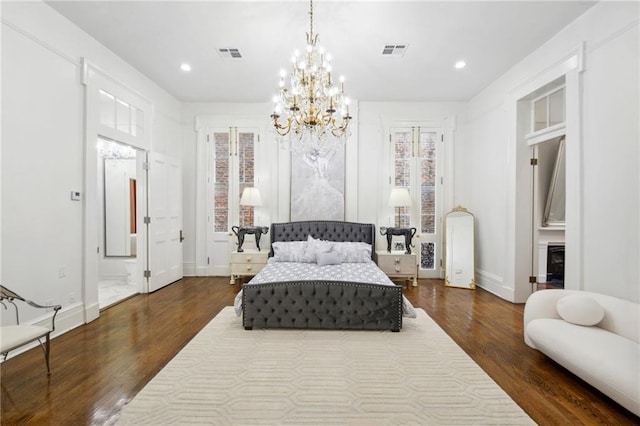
(322, 305)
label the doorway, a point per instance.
(416, 163)
(542, 129)
(118, 199)
(549, 206)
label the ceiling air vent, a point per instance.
(394, 49)
(229, 53)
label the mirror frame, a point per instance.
(553, 195)
(459, 211)
(132, 216)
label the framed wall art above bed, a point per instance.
(317, 185)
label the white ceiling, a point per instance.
(157, 36)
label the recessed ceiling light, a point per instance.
(460, 64)
(185, 67)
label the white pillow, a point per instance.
(291, 251)
(353, 252)
(580, 309)
(331, 258)
(316, 246)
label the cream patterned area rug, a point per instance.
(229, 376)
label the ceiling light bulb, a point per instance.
(460, 64)
(185, 67)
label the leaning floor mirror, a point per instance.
(459, 249)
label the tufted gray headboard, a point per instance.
(325, 230)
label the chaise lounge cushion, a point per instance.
(605, 360)
(606, 355)
(13, 336)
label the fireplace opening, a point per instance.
(555, 266)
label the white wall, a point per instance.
(604, 249)
(367, 156)
(43, 151)
(272, 171)
(43, 145)
(611, 164)
(373, 149)
(194, 165)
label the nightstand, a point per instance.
(398, 264)
(247, 263)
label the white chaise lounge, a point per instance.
(595, 336)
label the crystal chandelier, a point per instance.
(314, 112)
(113, 150)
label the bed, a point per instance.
(322, 275)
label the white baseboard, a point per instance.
(189, 269)
(112, 277)
(92, 312)
(494, 284)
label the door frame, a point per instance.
(519, 239)
(205, 125)
(94, 79)
(441, 128)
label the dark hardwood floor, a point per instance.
(99, 367)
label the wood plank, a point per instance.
(99, 367)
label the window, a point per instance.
(548, 110)
(221, 185)
(416, 167)
(120, 115)
(233, 161)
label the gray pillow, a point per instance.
(291, 251)
(353, 252)
(316, 246)
(330, 258)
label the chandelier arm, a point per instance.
(283, 130)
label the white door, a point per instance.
(231, 167)
(165, 221)
(417, 166)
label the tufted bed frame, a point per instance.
(322, 304)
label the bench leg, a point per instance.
(46, 349)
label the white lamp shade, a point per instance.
(399, 197)
(250, 197)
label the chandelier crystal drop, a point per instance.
(114, 151)
(312, 111)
